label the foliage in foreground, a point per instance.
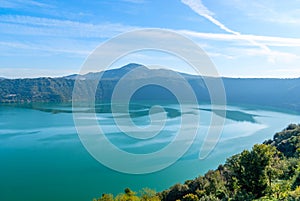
(145, 195)
(268, 172)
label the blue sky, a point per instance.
(244, 38)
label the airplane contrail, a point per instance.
(198, 7)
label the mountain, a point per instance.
(36, 90)
(280, 93)
(117, 74)
(287, 141)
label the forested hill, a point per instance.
(269, 172)
(282, 93)
(287, 141)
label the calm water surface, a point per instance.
(42, 157)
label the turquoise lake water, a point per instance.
(42, 157)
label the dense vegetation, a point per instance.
(269, 171)
(259, 92)
(35, 90)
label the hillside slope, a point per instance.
(266, 172)
(281, 93)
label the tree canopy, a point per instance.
(269, 171)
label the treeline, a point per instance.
(269, 171)
(36, 90)
(50, 90)
(282, 93)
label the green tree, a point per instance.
(148, 194)
(215, 184)
(105, 197)
(176, 192)
(296, 181)
(280, 190)
(129, 195)
(250, 168)
(295, 195)
(209, 198)
(190, 197)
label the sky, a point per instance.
(243, 38)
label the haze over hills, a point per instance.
(281, 93)
(116, 74)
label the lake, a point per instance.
(42, 157)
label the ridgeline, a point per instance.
(276, 93)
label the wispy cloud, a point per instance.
(198, 7)
(279, 56)
(288, 70)
(27, 35)
(32, 72)
(69, 48)
(238, 48)
(135, 1)
(279, 12)
(54, 49)
(268, 40)
(28, 25)
(22, 4)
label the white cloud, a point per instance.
(81, 50)
(269, 40)
(33, 72)
(27, 25)
(53, 36)
(22, 4)
(272, 11)
(288, 70)
(135, 1)
(279, 56)
(198, 7)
